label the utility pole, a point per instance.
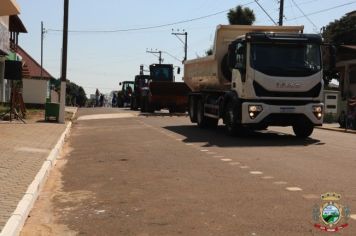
(185, 42)
(281, 12)
(42, 37)
(64, 62)
(160, 60)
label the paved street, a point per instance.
(161, 175)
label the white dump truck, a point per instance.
(258, 76)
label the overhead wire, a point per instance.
(149, 27)
(323, 10)
(265, 12)
(306, 17)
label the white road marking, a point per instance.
(280, 182)
(256, 172)
(310, 196)
(234, 163)
(107, 116)
(244, 167)
(226, 159)
(267, 177)
(353, 216)
(33, 150)
(204, 150)
(294, 189)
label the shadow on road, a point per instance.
(162, 114)
(219, 138)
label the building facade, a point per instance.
(7, 8)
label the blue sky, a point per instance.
(102, 60)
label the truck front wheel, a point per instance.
(303, 129)
(230, 120)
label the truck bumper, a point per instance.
(281, 115)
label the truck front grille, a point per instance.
(262, 92)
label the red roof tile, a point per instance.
(34, 69)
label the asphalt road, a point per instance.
(162, 175)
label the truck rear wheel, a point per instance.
(203, 121)
(303, 129)
(192, 109)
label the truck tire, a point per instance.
(203, 121)
(230, 120)
(303, 129)
(143, 105)
(192, 111)
(120, 102)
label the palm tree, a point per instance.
(241, 16)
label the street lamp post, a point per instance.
(64, 63)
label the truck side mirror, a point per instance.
(178, 70)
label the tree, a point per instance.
(241, 16)
(237, 16)
(342, 31)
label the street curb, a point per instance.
(337, 130)
(17, 220)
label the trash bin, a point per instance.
(51, 111)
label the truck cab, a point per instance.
(279, 78)
(258, 76)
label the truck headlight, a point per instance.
(254, 110)
(318, 111)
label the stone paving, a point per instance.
(23, 150)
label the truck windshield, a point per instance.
(161, 73)
(286, 59)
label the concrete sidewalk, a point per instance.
(24, 150)
(336, 127)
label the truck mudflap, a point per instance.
(281, 115)
(169, 93)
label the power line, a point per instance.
(266, 12)
(148, 27)
(296, 5)
(324, 10)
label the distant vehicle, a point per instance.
(258, 76)
(141, 82)
(162, 92)
(124, 94)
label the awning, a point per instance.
(9, 7)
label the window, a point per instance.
(331, 97)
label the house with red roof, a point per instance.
(35, 79)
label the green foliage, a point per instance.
(342, 31)
(329, 118)
(209, 51)
(75, 94)
(237, 16)
(241, 16)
